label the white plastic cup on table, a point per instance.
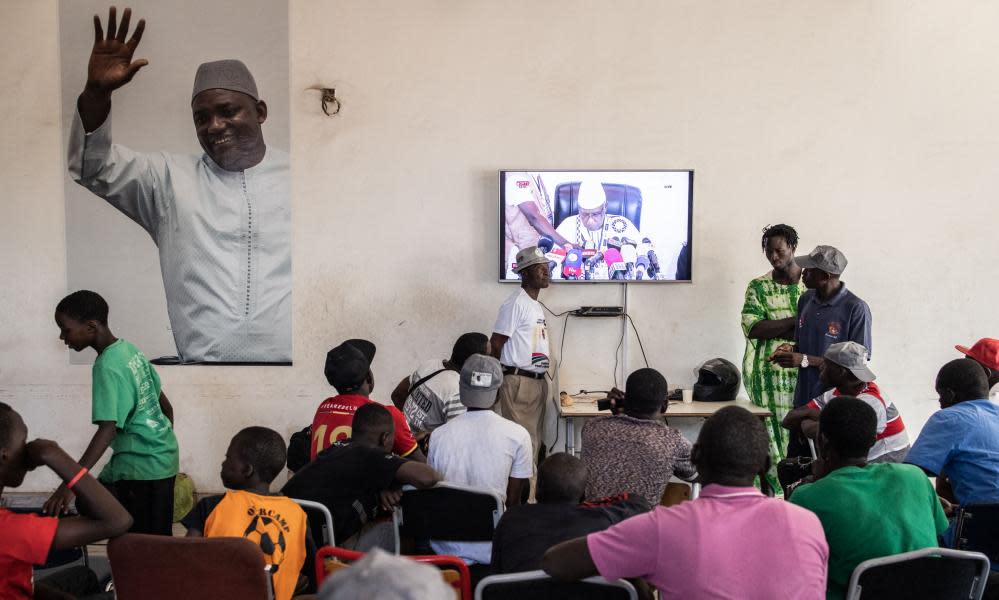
(688, 396)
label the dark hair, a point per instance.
(561, 478)
(850, 425)
(263, 449)
(467, 345)
(7, 421)
(780, 230)
(370, 419)
(965, 377)
(733, 443)
(645, 391)
(84, 305)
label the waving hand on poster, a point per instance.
(220, 220)
(110, 66)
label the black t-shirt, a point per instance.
(525, 532)
(346, 478)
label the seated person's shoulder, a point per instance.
(600, 423)
(619, 507)
(903, 472)
(199, 514)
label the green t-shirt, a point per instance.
(870, 512)
(126, 390)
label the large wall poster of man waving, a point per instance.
(177, 188)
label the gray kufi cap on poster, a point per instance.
(229, 74)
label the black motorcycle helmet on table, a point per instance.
(717, 381)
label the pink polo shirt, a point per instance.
(732, 542)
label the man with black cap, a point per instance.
(348, 370)
(221, 220)
(827, 313)
(481, 449)
(844, 369)
(520, 342)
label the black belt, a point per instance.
(515, 371)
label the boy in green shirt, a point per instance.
(866, 510)
(132, 414)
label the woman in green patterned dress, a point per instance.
(768, 319)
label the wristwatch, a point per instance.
(804, 361)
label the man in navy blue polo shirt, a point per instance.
(828, 313)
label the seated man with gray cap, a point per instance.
(481, 449)
(845, 369)
(221, 220)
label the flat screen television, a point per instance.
(599, 226)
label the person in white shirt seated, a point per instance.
(429, 397)
(481, 449)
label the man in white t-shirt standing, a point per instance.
(481, 449)
(429, 397)
(520, 342)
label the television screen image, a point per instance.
(599, 226)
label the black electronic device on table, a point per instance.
(599, 311)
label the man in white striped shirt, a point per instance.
(845, 371)
(429, 397)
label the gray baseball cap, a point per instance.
(852, 356)
(530, 256)
(824, 258)
(481, 376)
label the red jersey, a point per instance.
(26, 542)
(334, 416)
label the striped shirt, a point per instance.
(891, 435)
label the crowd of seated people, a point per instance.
(869, 494)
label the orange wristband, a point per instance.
(76, 478)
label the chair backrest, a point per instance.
(939, 573)
(532, 585)
(320, 521)
(977, 529)
(155, 567)
(449, 512)
(623, 200)
(455, 572)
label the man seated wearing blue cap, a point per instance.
(221, 220)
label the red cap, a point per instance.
(985, 351)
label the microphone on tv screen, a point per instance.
(589, 264)
(545, 243)
(573, 264)
(641, 267)
(615, 263)
(651, 253)
(629, 256)
(555, 259)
